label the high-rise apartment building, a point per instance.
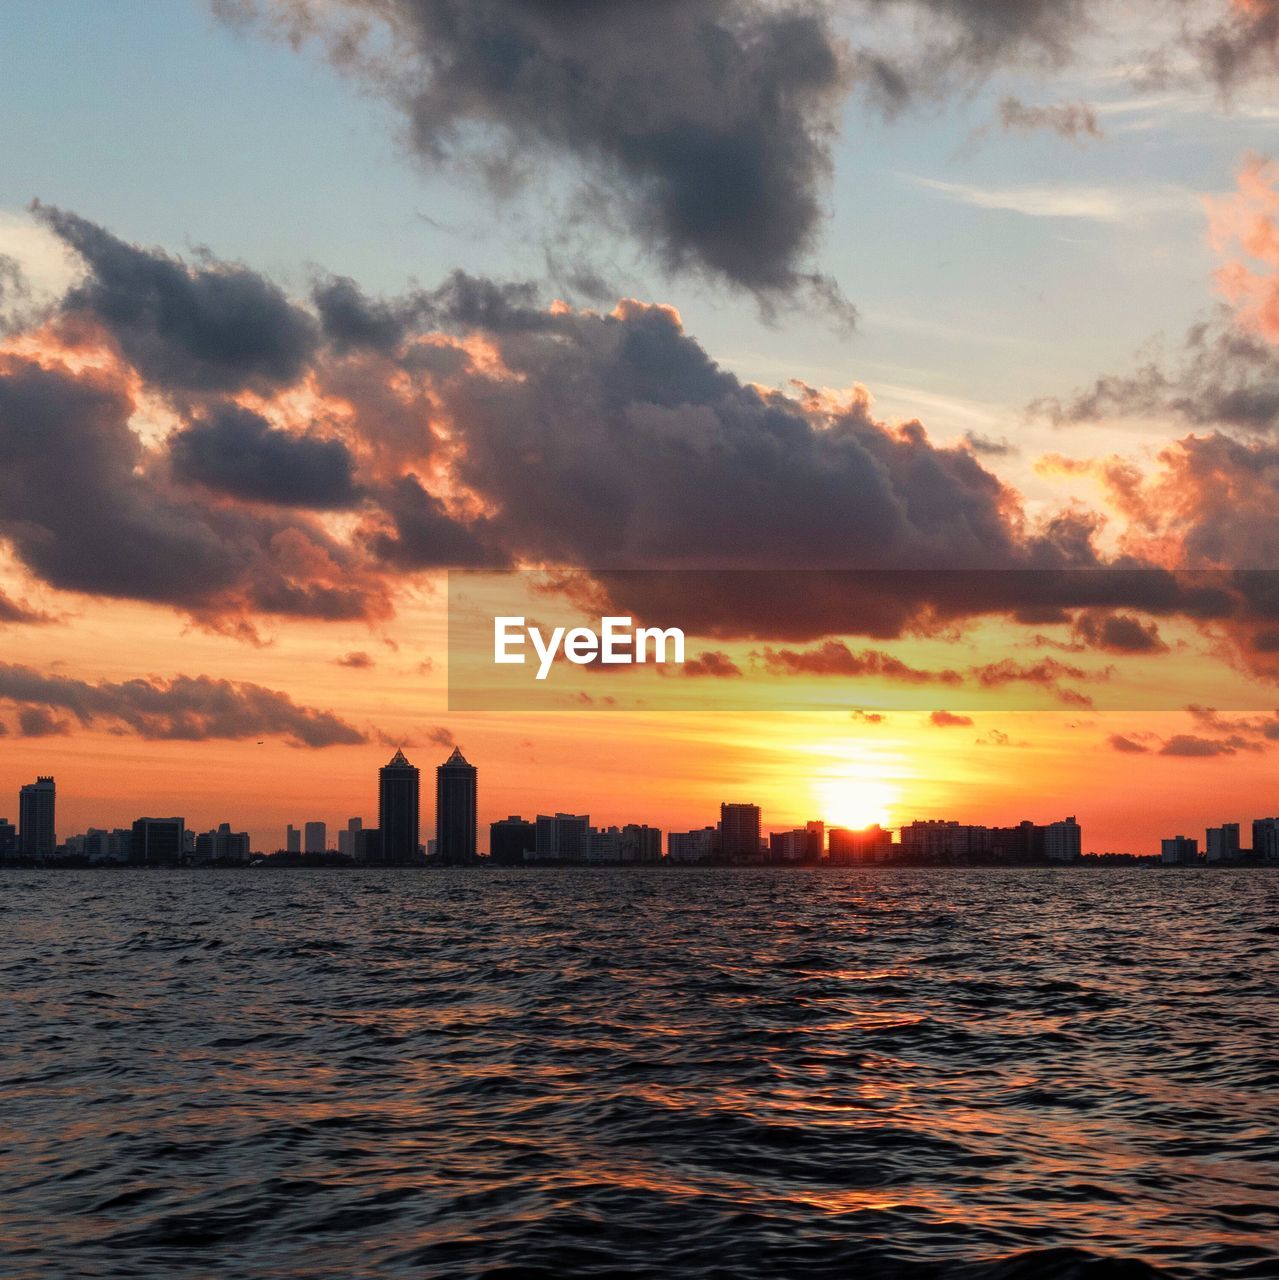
(399, 809)
(37, 835)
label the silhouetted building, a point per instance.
(1063, 840)
(1022, 843)
(561, 837)
(158, 842)
(456, 805)
(788, 846)
(941, 841)
(346, 837)
(37, 835)
(1265, 839)
(739, 831)
(8, 838)
(1223, 842)
(367, 845)
(692, 846)
(100, 845)
(399, 809)
(632, 843)
(315, 838)
(510, 839)
(641, 843)
(871, 844)
(292, 839)
(222, 845)
(1179, 850)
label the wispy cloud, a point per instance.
(1087, 203)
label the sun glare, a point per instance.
(856, 802)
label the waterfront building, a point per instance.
(37, 834)
(1063, 840)
(1265, 839)
(739, 832)
(158, 842)
(1179, 851)
(872, 844)
(561, 837)
(701, 845)
(510, 839)
(222, 845)
(456, 801)
(1223, 843)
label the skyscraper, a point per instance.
(455, 804)
(293, 839)
(739, 831)
(315, 837)
(398, 807)
(37, 837)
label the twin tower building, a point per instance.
(399, 810)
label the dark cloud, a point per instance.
(527, 435)
(1073, 120)
(355, 661)
(958, 42)
(17, 612)
(351, 320)
(1047, 674)
(712, 662)
(998, 738)
(988, 446)
(83, 507)
(867, 717)
(835, 658)
(238, 452)
(424, 536)
(708, 121)
(949, 720)
(1194, 747)
(40, 722)
(1214, 736)
(706, 126)
(15, 296)
(1262, 728)
(1243, 42)
(1118, 633)
(211, 326)
(1221, 377)
(189, 708)
(616, 440)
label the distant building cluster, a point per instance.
(738, 838)
(1223, 845)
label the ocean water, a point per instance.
(852, 1073)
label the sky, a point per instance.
(304, 304)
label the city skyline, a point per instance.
(741, 835)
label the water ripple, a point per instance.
(978, 1075)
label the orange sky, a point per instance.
(1023, 756)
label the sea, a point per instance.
(986, 1074)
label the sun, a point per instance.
(856, 802)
